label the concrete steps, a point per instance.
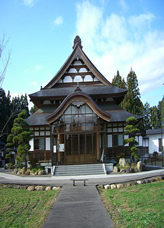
(79, 170)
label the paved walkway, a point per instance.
(78, 207)
(8, 178)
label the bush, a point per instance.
(118, 156)
(19, 166)
(36, 171)
(125, 167)
(134, 166)
(33, 163)
(155, 154)
(9, 166)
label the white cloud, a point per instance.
(89, 19)
(118, 43)
(141, 21)
(30, 3)
(58, 21)
(123, 5)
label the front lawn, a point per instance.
(136, 206)
(21, 208)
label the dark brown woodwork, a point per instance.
(77, 96)
(41, 156)
(60, 95)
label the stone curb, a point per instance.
(130, 183)
(31, 187)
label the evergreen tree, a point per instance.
(132, 102)
(5, 102)
(131, 130)
(155, 118)
(146, 116)
(161, 113)
(9, 108)
(118, 81)
(33, 109)
(19, 138)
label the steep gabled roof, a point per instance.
(77, 54)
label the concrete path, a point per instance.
(78, 207)
(8, 178)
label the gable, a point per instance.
(77, 98)
(78, 72)
(78, 69)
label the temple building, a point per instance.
(79, 120)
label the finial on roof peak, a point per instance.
(77, 41)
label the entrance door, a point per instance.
(80, 148)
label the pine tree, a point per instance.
(33, 109)
(161, 113)
(155, 117)
(118, 81)
(9, 108)
(131, 130)
(132, 102)
(146, 116)
(5, 102)
(19, 139)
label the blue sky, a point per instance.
(116, 35)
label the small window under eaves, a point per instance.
(109, 99)
(46, 102)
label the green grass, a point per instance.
(21, 208)
(136, 206)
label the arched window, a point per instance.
(77, 117)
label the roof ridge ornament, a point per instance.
(77, 41)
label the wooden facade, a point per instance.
(78, 120)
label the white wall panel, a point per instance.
(47, 143)
(31, 144)
(109, 140)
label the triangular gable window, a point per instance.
(77, 72)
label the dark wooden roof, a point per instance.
(60, 93)
(155, 131)
(116, 116)
(122, 115)
(37, 120)
(59, 90)
(63, 92)
(114, 112)
(76, 54)
(78, 97)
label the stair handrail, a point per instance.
(53, 170)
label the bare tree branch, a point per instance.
(2, 75)
(13, 113)
(3, 44)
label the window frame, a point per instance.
(39, 147)
(117, 144)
